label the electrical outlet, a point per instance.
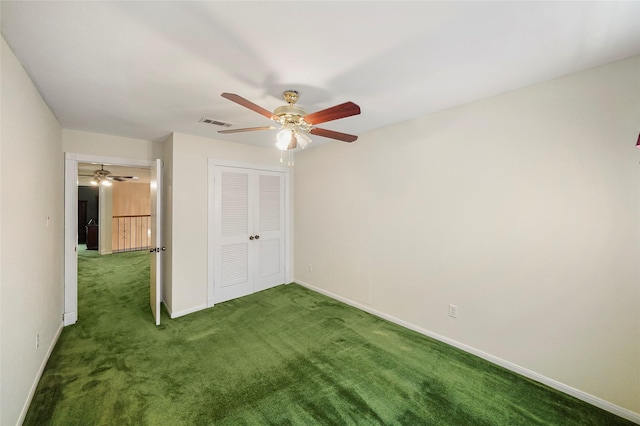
(310, 267)
(37, 341)
(453, 311)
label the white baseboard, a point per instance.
(34, 386)
(173, 315)
(69, 318)
(586, 397)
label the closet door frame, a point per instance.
(213, 164)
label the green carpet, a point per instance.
(285, 356)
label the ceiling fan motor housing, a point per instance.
(291, 114)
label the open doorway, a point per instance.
(79, 171)
(114, 210)
(88, 207)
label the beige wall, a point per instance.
(105, 207)
(523, 210)
(81, 142)
(31, 269)
(187, 198)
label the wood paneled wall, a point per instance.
(130, 233)
(131, 199)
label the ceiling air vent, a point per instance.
(215, 122)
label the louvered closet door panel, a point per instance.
(234, 268)
(233, 250)
(270, 226)
(234, 215)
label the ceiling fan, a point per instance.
(104, 177)
(295, 123)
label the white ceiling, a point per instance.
(146, 69)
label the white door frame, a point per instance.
(71, 223)
(288, 223)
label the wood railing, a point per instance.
(130, 233)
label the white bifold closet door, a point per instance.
(249, 237)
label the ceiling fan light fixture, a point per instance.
(303, 140)
(283, 139)
(100, 180)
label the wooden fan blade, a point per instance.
(346, 109)
(345, 137)
(248, 104)
(122, 178)
(247, 129)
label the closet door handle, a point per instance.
(251, 237)
(257, 237)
